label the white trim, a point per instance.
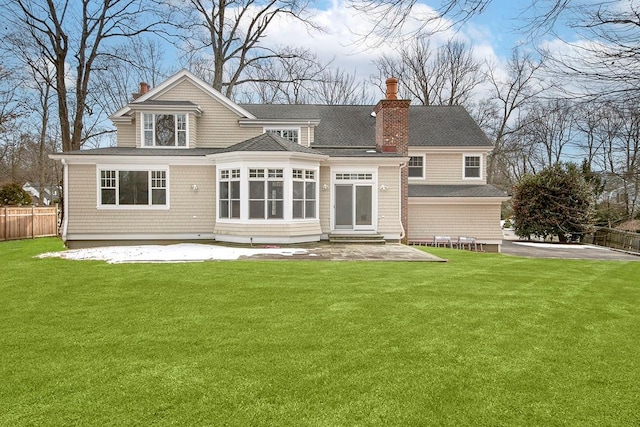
(233, 238)
(351, 163)
(263, 157)
(459, 149)
(65, 222)
(176, 79)
(424, 167)
(287, 204)
(175, 131)
(82, 159)
(166, 109)
(373, 182)
(464, 167)
(141, 236)
(278, 122)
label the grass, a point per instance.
(484, 339)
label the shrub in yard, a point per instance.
(555, 202)
(13, 194)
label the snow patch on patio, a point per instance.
(182, 252)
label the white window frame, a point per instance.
(229, 175)
(464, 167)
(176, 118)
(287, 179)
(151, 185)
(279, 129)
(423, 175)
(266, 175)
(304, 176)
(358, 176)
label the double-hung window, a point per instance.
(266, 193)
(133, 187)
(472, 166)
(230, 193)
(290, 134)
(165, 130)
(304, 193)
(416, 167)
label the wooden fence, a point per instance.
(28, 222)
(615, 239)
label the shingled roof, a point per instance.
(354, 126)
(269, 142)
(428, 190)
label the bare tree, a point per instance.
(337, 87)
(511, 92)
(285, 79)
(389, 17)
(549, 127)
(223, 38)
(118, 76)
(71, 36)
(444, 76)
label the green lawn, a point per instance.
(484, 339)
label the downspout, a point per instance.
(65, 201)
(402, 232)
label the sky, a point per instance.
(493, 34)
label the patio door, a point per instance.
(353, 207)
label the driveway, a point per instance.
(563, 251)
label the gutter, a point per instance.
(402, 230)
(65, 203)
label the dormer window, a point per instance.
(165, 130)
(290, 134)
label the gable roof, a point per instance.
(354, 126)
(173, 81)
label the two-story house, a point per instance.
(191, 165)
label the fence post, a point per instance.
(6, 224)
(33, 221)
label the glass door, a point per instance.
(344, 206)
(353, 207)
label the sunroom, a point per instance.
(268, 192)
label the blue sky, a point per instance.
(493, 34)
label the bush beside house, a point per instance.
(555, 202)
(12, 194)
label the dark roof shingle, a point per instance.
(354, 126)
(269, 142)
(429, 190)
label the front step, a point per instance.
(373, 238)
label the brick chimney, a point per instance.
(144, 88)
(392, 136)
(392, 121)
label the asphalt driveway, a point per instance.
(564, 251)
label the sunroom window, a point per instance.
(266, 194)
(230, 193)
(165, 130)
(304, 193)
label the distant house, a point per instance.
(50, 193)
(191, 165)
